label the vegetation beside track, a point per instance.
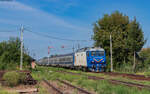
(100, 86)
(42, 90)
(120, 78)
(3, 91)
(7, 92)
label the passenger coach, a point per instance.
(93, 59)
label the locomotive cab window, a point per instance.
(88, 54)
(100, 53)
(97, 53)
(93, 53)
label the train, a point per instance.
(87, 59)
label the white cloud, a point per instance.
(13, 14)
(9, 21)
(13, 5)
(36, 14)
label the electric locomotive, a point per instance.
(93, 59)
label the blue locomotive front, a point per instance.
(96, 60)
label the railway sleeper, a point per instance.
(53, 87)
(75, 87)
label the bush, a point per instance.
(22, 77)
(12, 78)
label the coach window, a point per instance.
(67, 59)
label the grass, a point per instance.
(103, 87)
(43, 90)
(3, 91)
(100, 86)
(7, 92)
(75, 91)
(120, 78)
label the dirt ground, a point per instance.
(43, 88)
(20, 88)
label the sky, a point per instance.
(63, 19)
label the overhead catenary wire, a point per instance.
(57, 38)
(50, 37)
(7, 31)
(61, 49)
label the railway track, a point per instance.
(131, 84)
(75, 87)
(53, 87)
(131, 76)
(59, 91)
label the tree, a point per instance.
(10, 54)
(135, 38)
(145, 55)
(127, 36)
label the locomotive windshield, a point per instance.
(97, 53)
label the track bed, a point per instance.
(63, 87)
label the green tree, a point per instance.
(145, 55)
(135, 39)
(127, 36)
(10, 54)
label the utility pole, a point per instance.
(21, 38)
(134, 62)
(111, 53)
